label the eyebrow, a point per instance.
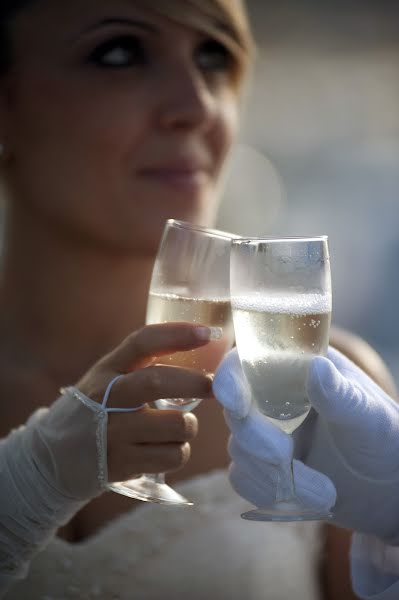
(120, 21)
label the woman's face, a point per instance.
(116, 119)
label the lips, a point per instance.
(177, 177)
(178, 173)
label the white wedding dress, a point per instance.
(205, 552)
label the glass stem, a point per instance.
(285, 483)
(156, 477)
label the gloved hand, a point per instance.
(258, 448)
(353, 439)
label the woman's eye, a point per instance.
(211, 55)
(119, 52)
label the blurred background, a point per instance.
(319, 150)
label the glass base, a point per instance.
(147, 490)
(287, 512)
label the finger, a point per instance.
(230, 386)
(126, 461)
(339, 359)
(257, 436)
(159, 382)
(312, 488)
(156, 340)
(259, 470)
(151, 426)
(334, 396)
(348, 369)
(255, 492)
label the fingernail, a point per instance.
(209, 333)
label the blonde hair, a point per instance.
(225, 20)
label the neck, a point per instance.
(68, 304)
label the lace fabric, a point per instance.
(201, 552)
(31, 509)
(41, 487)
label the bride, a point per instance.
(114, 116)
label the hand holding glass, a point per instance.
(281, 301)
(190, 282)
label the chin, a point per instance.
(142, 231)
(201, 213)
(199, 207)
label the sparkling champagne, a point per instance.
(168, 307)
(276, 339)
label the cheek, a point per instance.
(64, 136)
(60, 121)
(227, 127)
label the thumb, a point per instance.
(230, 386)
(336, 398)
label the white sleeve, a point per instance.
(41, 487)
(375, 568)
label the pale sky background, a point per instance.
(319, 150)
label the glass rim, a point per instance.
(273, 239)
(224, 235)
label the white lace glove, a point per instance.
(41, 488)
(257, 447)
(49, 469)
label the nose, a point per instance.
(187, 101)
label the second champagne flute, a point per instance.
(281, 301)
(190, 282)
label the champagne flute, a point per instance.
(281, 303)
(190, 282)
